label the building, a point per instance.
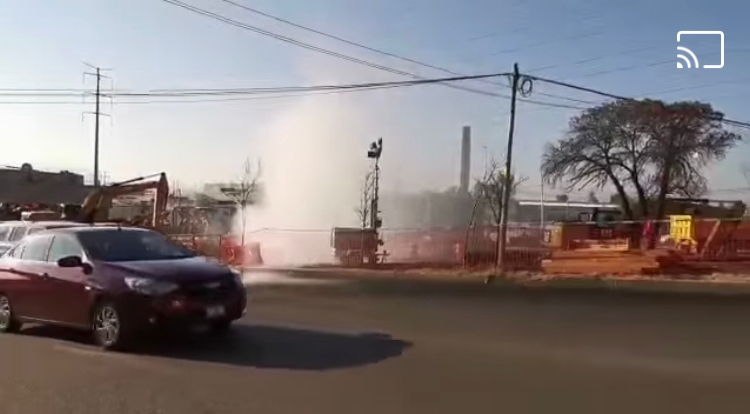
(534, 211)
(25, 185)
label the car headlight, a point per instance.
(150, 287)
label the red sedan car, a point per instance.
(116, 282)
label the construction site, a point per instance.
(456, 230)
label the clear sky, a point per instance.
(622, 47)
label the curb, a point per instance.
(447, 279)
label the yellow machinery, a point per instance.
(717, 243)
(95, 208)
(682, 231)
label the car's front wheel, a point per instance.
(8, 321)
(107, 327)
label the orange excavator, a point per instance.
(96, 206)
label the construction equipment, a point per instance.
(351, 246)
(96, 206)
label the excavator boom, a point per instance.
(97, 204)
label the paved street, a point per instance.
(328, 349)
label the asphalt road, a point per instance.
(359, 350)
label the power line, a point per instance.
(340, 39)
(338, 88)
(580, 88)
(620, 97)
(551, 105)
(242, 94)
(250, 91)
(546, 42)
(350, 42)
(360, 45)
(527, 27)
(634, 67)
(705, 85)
(594, 59)
(308, 46)
(390, 54)
(263, 93)
(201, 100)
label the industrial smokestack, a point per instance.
(465, 159)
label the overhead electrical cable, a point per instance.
(308, 46)
(620, 97)
(363, 46)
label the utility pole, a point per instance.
(97, 113)
(508, 164)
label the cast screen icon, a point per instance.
(692, 62)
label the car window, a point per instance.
(5, 232)
(33, 230)
(18, 233)
(64, 246)
(116, 245)
(36, 249)
(16, 252)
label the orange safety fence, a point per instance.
(431, 247)
(527, 245)
(714, 239)
(223, 247)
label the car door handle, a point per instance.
(45, 275)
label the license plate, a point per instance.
(214, 311)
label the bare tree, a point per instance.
(365, 202)
(491, 187)
(651, 147)
(490, 190)
(245, 192)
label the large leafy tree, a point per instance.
(647, 148)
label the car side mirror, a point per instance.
(70, 261)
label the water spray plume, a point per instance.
(312, 168)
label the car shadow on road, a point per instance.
(262, 346)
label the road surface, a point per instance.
(346, 350)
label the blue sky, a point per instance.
(623, 47)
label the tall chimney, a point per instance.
(465, 159)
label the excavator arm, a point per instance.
(97, 204)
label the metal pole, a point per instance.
(508, 164)
(541, 207)
(96, 128)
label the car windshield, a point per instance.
(122, 245)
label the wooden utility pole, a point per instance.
(508, 164)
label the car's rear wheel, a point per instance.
(107, 327)
(8, 321)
